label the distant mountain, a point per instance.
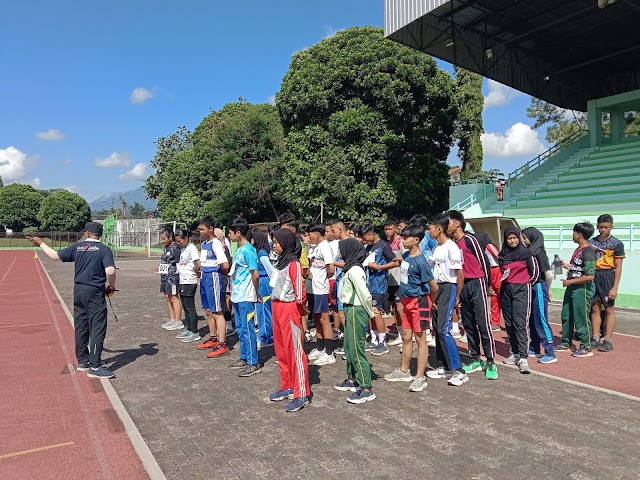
(132, 196)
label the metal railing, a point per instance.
(561, 237)
(543, 157)
(472, 199)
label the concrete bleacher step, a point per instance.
(605, 157)
(560, 199)
(605, 171)
(595, 181)
(600, 206)
(596, 186)
(616, 150)
(619, 164)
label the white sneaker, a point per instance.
(394, 342)
(315, 353)
(463, 339)
(167, 324)
(458, 379)
(439, 372)
(431, 341)
(456, 334)
(176, 326)
(325, 359)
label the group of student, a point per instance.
(430, 274)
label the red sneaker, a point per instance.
(219, 351)
(211, 343)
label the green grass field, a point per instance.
(6, 242)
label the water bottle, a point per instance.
(557, 265)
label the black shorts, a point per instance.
(604, 283)
(169, 285)
(380, 302)
(394, 294)
(188, 289)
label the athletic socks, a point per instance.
(328, 342)
(382, 337)
(320, 344)
(374, 337)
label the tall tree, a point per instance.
(64, 211)
(1, 182)
(19, 206)
(369, 124)
(469, 125)
(560, 122)
(137, 211)
(166, 149)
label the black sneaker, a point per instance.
(83, 367)
(605, 346)
(594, 343)
(238, 364)
(250, 370)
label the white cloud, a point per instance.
(14, 165)
(271, 99)
(51, 135)
(116, 159)
(499, 94)
(138, 172)
(519, 140)
(67, 161)
(140, 95)
(36, 182)
(72, 188)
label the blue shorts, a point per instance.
(338, 289)
(320, 303)
(212, 291)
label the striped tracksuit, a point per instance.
(287, 297)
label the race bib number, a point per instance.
(404, 272)
(163, 269)
(203, 256)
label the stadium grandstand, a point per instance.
(576, 54)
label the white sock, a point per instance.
(374, 337)
(455, 328)
(382, 337)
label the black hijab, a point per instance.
(536, 238)
(261, 242)
(291, 248)
(510, 255)
(352, 253)
(483, 239)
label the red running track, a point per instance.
(56, 423)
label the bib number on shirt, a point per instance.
(163, 269)
(203, 256)
(404, 272)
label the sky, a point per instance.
(87, 87)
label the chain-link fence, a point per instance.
(56, 240)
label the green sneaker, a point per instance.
(475, 366)
(491, 371)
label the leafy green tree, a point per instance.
(231, 169)
(19, 206)
(1, 182)
(166, 149)
(369, 125)
(64, 211)
(137, 211)
(469, 126)
(561, 122)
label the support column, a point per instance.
(594, 119)
(617, 125)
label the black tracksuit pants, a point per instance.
(515, 300)
(90, 322)
(475, 318)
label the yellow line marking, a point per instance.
(34, 450)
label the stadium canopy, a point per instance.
(565, 52)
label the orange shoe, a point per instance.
(219, 351)
(208, 344)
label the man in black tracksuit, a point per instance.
(94, 267)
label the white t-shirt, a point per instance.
(187, 266)
(447, 258)
(335, 247)
(319, 257)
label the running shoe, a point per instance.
(475, 366)
(458, 379)
(315, 353)
(464, 339)
(605, 346)
(182, 334)
(361, 395)
(533, 353)
(431, 342)
(241, 363)
(456, 334)
(83, 367)
(211, 343)
(250, 370)
(548, 359)
(100, 372)
(512, 359)
(231, 332)
(418, 384)
(324, 359)
(495, 328)
(346, 386)
(381, 349)
(582, 352)
(307, 337)
(562, 348)
(191, 337)
(296, 404)
(338, 351)
(176, 326)
(595, 342)
(219, 351)
(168, 324)
(369, 347)
(439, 372)
(523, 366)
(281, 395)
(398, 376)
(491, 372)
(395, 341)
(264, 345)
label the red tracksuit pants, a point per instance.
(288, 339)
(496, 277)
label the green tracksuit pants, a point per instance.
(355, 332)
(576, 314)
